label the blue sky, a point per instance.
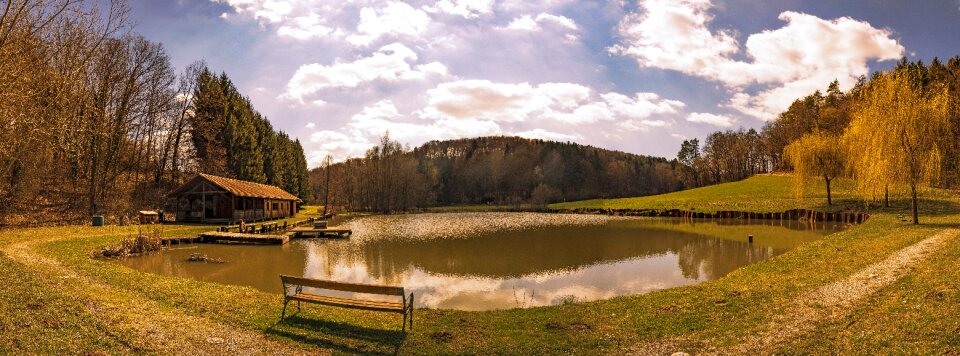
(632, 76)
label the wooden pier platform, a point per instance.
(168, 241)
(219, 236)
(179, 240)
(325, 232)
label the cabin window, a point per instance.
(275, 206)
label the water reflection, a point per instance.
(483, 261)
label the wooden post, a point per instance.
(750, 238)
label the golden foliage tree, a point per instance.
(816, 155)
(896, 134)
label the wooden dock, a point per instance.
(219, 236)
(168, 241)
(301, 232)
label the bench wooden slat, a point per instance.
(405, 308)
(340, 286)
(350, 303)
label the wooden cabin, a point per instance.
(218, 200)
(148, 217)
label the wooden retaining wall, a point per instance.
(795, 214)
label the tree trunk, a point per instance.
(326, 193)
(886, 196)
(916, 218)
(829, 200)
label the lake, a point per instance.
(486, 261)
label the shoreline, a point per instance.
(708, 316)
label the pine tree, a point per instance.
(207, 124)
(302, 174)
(233, 139)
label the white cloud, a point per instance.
(523, 23)
(389, 63)
(310, 125)
(396, 18)
(808, 54)
(674, 35)
(642, 125)
(336, 144)
(366, 127)
(431, 68)
(383, 116)
(548, 135)
(305, 28)
(469, 9)
(641, 106)
(265, 11)
(710, 119)
(792, 61)
(559, 20)
(557, 102)
(530, 23)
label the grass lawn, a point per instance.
(759, 194)
(916, 313)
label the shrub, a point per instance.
(146, 240)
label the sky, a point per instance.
(634, 76)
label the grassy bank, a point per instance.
(693, 318)
(759, 194)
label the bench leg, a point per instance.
(403, 327)
(284, 312)
(298, 306)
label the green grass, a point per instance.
(35, 319)
(760, 194)
(310, 210)
(750, 295)
(917, 314)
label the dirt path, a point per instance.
(142, 323)
(830, 302)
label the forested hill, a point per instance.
(489, 170)
(513, 169)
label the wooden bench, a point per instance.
(293, 291)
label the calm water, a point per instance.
(483, 261)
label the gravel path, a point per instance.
(142, 323)
(830, 302)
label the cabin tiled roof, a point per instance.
(243, 188)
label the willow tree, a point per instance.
(816, 155)
(896, 133)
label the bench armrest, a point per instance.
(287, 289)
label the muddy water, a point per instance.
(484, 261)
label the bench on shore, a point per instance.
(293, 291)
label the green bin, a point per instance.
(98, 220)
